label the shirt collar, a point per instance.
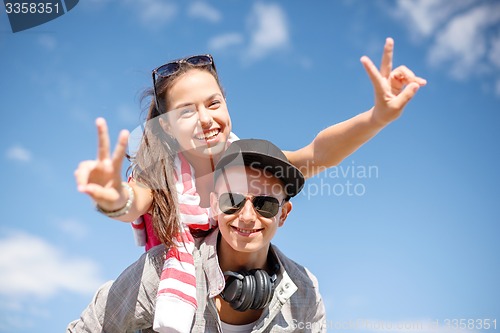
(210, 262)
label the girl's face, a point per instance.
(198, 117)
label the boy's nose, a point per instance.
(247, 213)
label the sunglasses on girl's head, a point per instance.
(231, 203)
(170, 68)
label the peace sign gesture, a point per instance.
(393, 88)
(101, 178)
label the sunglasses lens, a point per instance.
(230, 203)
(201, 60)
(167, 69)
(266, 206)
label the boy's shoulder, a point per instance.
(297, 272)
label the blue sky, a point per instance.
(404, 232)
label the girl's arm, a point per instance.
(393, 90)
(101, 178)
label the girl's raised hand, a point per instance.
(393, 88)
(101, 178)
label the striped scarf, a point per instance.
(176, 297)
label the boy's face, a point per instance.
(247, 231)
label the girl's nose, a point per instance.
(205, 118)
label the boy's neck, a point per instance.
(232, 260)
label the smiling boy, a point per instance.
(244, 283)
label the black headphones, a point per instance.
(250, 289)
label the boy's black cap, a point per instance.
(262, 154)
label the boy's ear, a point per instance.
(214, 208)
(285, 210)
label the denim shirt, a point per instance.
(128, 303)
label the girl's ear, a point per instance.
(165, 125)
(285, 210)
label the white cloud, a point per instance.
(464, 34)
(225, 41)
(424, 17)
(31, 267)
(19, 153)
(269, 30)
(203, 10)
(463, 41)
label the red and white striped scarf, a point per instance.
(176, 297)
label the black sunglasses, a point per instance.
(231, 203)
(170, 68)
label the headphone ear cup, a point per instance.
(248, 290)
(260, 289)
(247, 293)
(263, 289)
(233, 289)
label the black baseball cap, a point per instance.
(262, 154)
